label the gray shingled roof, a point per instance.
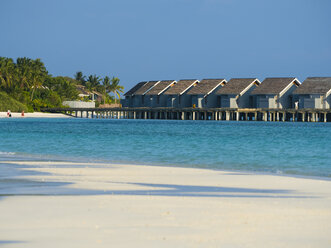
(235, 86)
(134, 88)
(160, 87)
(205, 86)
(272, 86)
(180, 87)
(145, 87)
(314, 85)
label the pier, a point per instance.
(216, 114)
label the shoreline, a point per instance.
(54, 203)
(16, 115)
(84, 160)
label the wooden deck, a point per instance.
(217, 114)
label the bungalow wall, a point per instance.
(200, 101)
(247, 100)
(266, 101)
(286, 100)
(178, 101)
(172, 101)
(228, 101)
(211, 101)
(157, 101)
(196, 101)
(272, 101)
(311, 101)
(128, 101)
(328, 102)
(232, 101)
(138, 101)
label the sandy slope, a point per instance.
(147, 206)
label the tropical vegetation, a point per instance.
(25, 84)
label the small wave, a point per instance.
(7, 153)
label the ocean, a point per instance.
(301, 149)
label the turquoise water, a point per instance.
(287, 148)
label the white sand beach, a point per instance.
(100, 205)
(34, 115)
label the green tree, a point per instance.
(8, 73)
(80, 77)
(24, 66)
(115, 88)
(38, 75)
(106, 83)
(93, 82)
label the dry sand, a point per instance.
(150, 206)
(34, 115)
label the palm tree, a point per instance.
(7, 73)
(80, 77)
(94, 81)
(115, 88)
(24, 70)
(106, 87)
(38, 75)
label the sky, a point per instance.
(142, 40)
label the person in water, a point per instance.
(8, 113)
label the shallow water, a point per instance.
(288, 148)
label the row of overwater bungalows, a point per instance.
(271, 93)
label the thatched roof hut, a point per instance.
(206, 86)
(237, 86)
(181, 87)
(274, 86)
(161, 87)
(135, 88)
(314, 85)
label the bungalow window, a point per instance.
(206, 99)
(142, 99)
(158, 99)
(179, 99)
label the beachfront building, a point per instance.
(236, 93)
(314, 93)
(154, 97)
(129, 96)
(139, 95)
(176, 95)
(203, 94)
(275, 93)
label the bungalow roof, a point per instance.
(145, 88)
(181, 86)
(206, 86)
(235, 86)
(161, 87)
(134, 88)
(314, 85)
(82, 90)
(274, 86)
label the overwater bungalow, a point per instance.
(129, 95)
(154, 97)
(276, 93)
(236, 93)
(314, 93)
(203, 94)
(176, 95)
(139, 94)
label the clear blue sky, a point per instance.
(138, 40)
